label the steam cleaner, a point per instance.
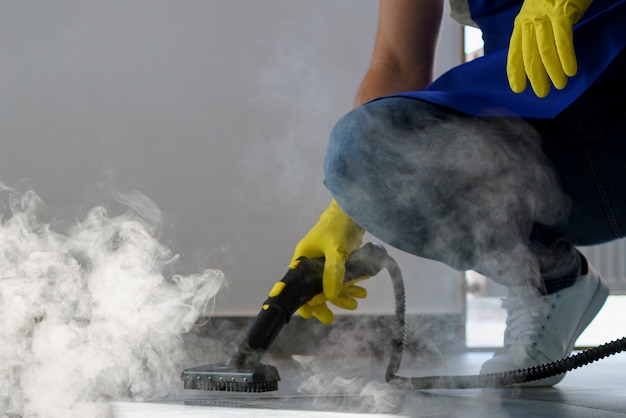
(243, 372)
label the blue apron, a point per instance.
(480, 87)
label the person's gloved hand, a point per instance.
(347, 299)
(335, 236)
(542, 44)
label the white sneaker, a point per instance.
(543, 328)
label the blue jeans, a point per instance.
(507, 197)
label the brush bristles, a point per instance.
(253, 378)
(231, 386)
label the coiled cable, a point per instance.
(502, 379)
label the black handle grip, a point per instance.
(297, 287)
(305, 281)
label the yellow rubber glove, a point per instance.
(347, 299)
(542, 46)
(335, 236)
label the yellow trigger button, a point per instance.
(278, 287)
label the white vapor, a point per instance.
(87, 315)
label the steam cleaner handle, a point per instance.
(300, 285)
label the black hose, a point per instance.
(507, 378)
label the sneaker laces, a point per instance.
(527, 311)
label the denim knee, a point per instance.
(338, 165)
(366, 145)
(349, 163)
(440, 185)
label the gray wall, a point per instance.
(218, 111)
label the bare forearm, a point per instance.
(404, 49)
(382, 82)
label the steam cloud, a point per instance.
(466, 192)
(87, 315)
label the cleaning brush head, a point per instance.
(242, 371)
(258, 377)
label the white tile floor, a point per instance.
(130, 410)
(354, 386)
(597, 390)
